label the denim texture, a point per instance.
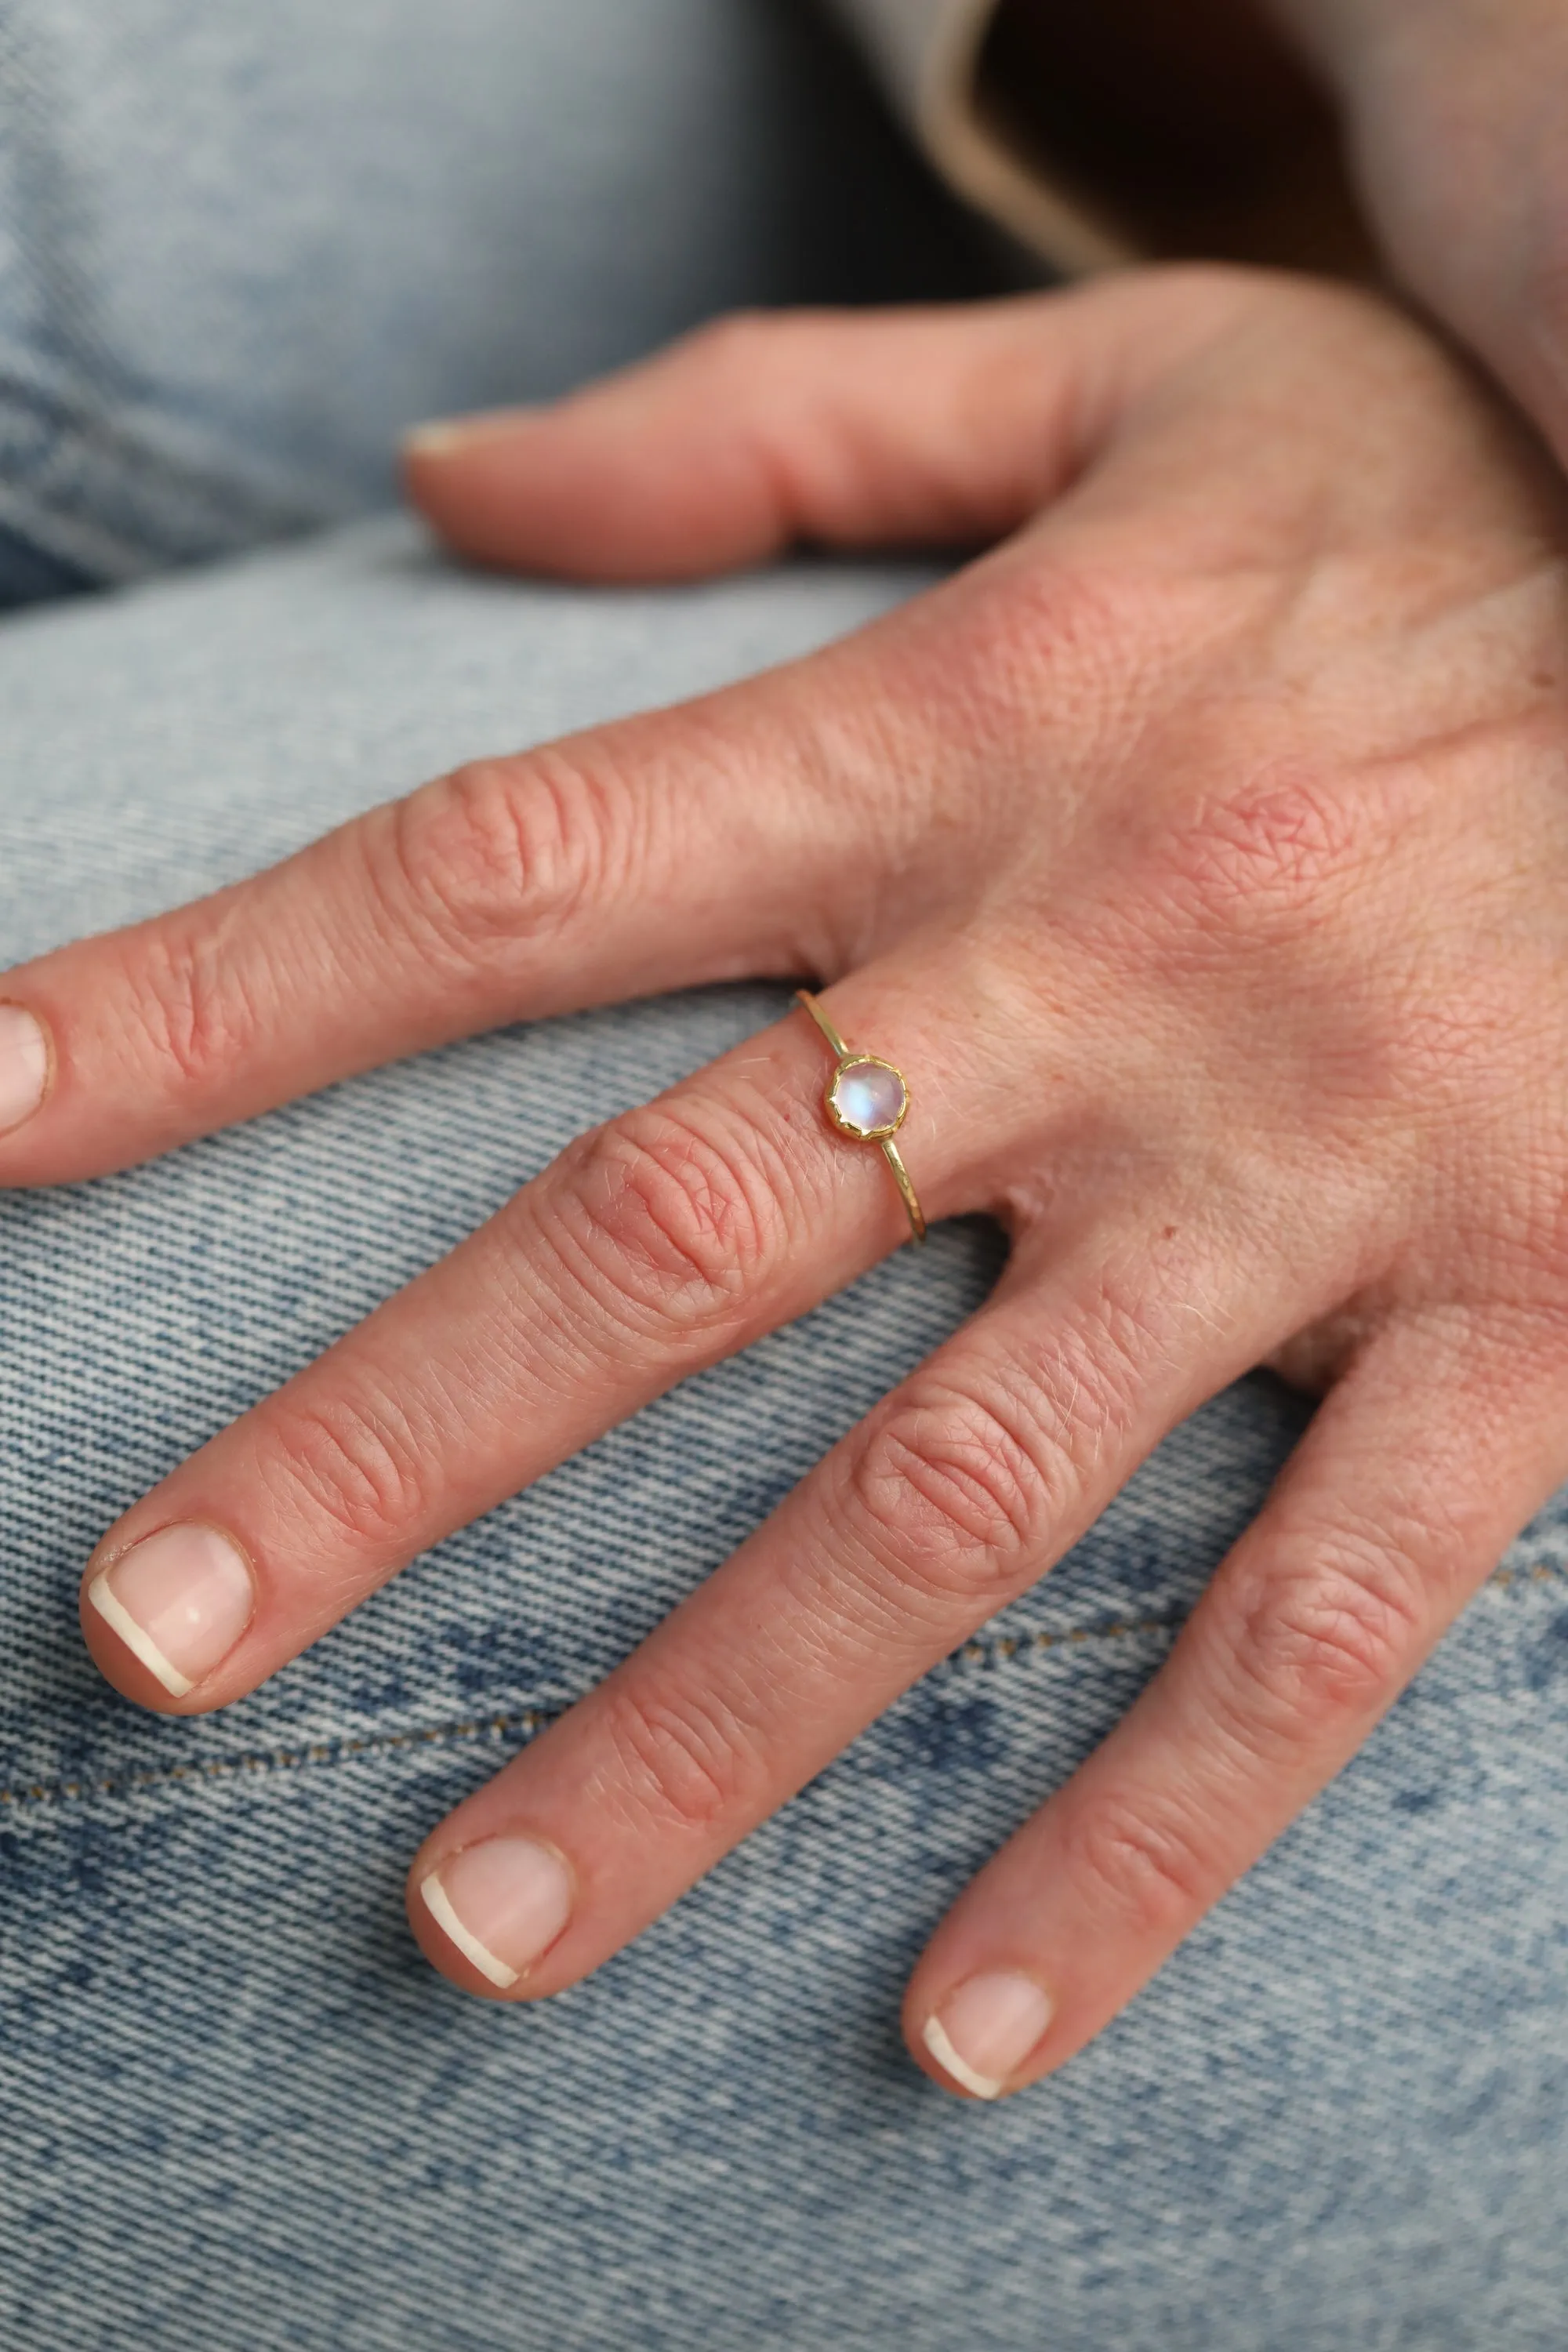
(239, 248)
(240, 2113)
(242, 246)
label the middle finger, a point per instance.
(966, 1485)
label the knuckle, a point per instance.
(496, 853)
(680, 1757)
(1139, 1865)
(1270, 858)
(1064, 633)
(192, 1007)
(954, 1495)
(354, 1469)
(1429, 1052)
(962, 1490)
(1321, 1644)
(670, 1221)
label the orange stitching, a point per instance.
(1006, 1647)
(335, 1751)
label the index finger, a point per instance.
(701, 843)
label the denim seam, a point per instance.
(285, 1759)
(132, 506)
(1000, 1649)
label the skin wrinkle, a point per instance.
(709, 1208)
(572, 1309)
(1150, 907)
(849, 753)
(1321, 1641)
(704, 758)
(863, 1572)
(186, 998)
(358, 1462)
(552, 1325)
(874, 1562)
(815, 490)
(1394, 1580)
(677, 1758)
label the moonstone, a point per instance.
(868, 1096)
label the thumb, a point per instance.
(898, 427)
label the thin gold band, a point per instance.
(895, 1159)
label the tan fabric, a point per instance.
(927, 51)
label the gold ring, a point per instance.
(868, 1099)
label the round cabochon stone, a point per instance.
(868, 1096)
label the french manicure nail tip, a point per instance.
(179, 1601)
(445, 436)
(987, 2028)
(139, 1642)
(24, 1065)
(437, 439)
(502, 1903)
(985, 2087)
(438, 1903)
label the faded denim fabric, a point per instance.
(242, 246)
(240, 2111)
(239, 246)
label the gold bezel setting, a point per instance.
(882, 1134)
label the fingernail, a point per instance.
(987, 2028)
(503, 1903)
(180, 1600)
(443, 437)
(435, 440)
(24, 1065)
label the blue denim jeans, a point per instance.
(237, 2112)
(242, 246)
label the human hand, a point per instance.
(1200, 854)
(1458, 116)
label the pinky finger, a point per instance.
(1420, 1469)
